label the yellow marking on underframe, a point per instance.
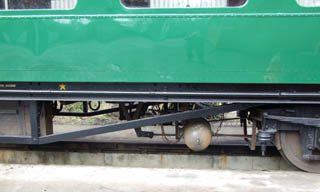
(10, 85)
(63, 87)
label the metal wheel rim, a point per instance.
(291, 150)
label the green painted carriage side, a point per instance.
(266, 41)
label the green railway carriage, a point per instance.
(274, 41)
(259, 57)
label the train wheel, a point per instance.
(291, 150)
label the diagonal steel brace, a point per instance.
(146, 122)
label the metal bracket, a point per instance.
(141, 107)
(35, 128)
(35, 121)
(318, 139)
(308, 141)
(252, 142)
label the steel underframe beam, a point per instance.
(314, 122)
(89, 114)
(145, 122)
(162, 92)
(15, 140)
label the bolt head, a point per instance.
(310, 147)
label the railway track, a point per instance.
(141, 148)
(143, 155)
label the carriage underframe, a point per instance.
(279, 114)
